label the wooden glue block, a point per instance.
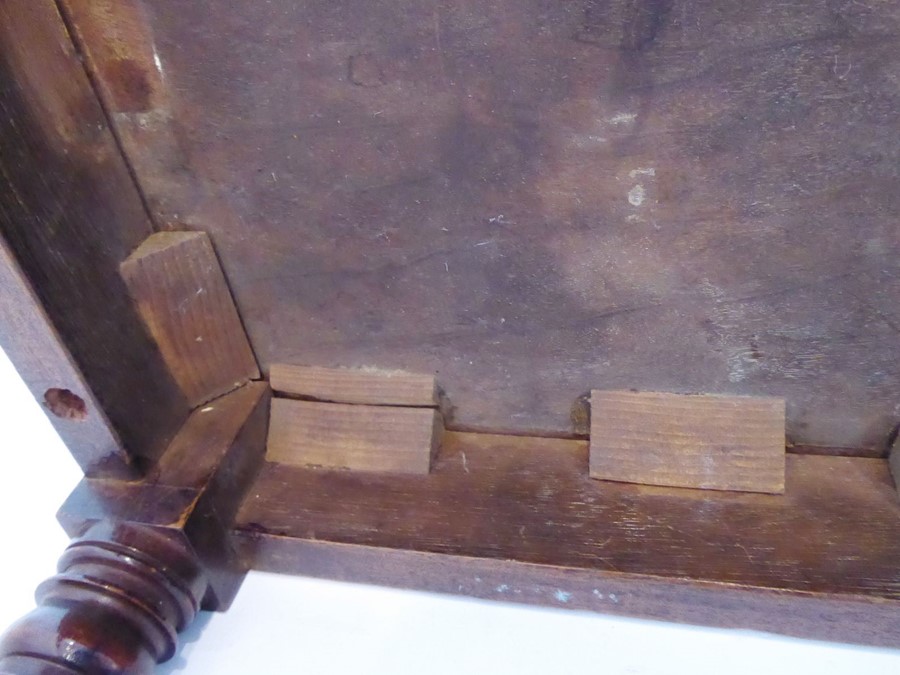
(355, 437)
(181, 295)
(346, 385)
(693, 441)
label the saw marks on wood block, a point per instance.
(707, 442)
(355, 437)
(183, 298)
(346, 385)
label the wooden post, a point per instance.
(122, 594)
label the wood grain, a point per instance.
(346, 385)
(895, 464)
(183, 298)
(708, 442)
(354, 437)
(535, 197)
(122, 593)
(833, 618)
(31, 342)
(70, 213)
(834, 533)
(194, 490)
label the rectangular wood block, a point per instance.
(693, 441)
(183, 298)
(345, 385)
(356, 437)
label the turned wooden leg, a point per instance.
(122, 594)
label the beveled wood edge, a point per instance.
(832, 617)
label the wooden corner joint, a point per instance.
(195, 489)
(354, 419)
(147, 554)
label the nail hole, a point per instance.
(63, 403)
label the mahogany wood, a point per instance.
(820, 616)
(33, 344)
(195, 489)
(519, 519)
(122, 594)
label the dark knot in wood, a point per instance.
(122, 594)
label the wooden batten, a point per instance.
(182, 296)
(69, 214)
(355, 437)
(507, 502)
(709, 442)
(30, 340)
(346, 385)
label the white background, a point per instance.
(294, 625)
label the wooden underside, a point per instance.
(534, 199)
(527, 199)
(519, 519)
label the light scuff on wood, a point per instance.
(708, 442)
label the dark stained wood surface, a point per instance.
(387, 439)
(178, 288)
(31, 342)
(70, 214)
(895, 464)
(194, 490)
(837, 618)
(534, 198)
(706, 442)
(348, 385)
(836, 530)
(122, 594)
